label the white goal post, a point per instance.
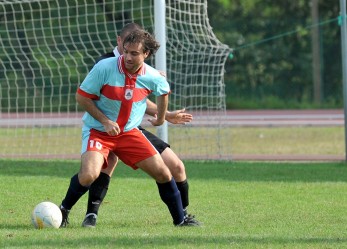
(48, 46)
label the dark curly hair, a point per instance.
(148, 41)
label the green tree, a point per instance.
(272, 64)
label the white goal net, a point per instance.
(48, 46)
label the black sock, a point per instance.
(171, 197)
(97, 193)
(74, 193)
(183, 187)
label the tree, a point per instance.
(273, 51)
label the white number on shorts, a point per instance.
(97, 144)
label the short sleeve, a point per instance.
(161, 86)
(94, 80)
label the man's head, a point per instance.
(138, 46)
(126, 30)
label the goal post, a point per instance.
(160, 56)
(48, 46)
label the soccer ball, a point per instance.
(46, 214)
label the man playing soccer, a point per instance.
(114, 97)
(98, 189)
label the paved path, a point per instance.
(276, 118)
(232, 118)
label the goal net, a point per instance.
(48, 46)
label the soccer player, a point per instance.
(114, 95)
(99, 188)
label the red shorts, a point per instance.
(131, 147)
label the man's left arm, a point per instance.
(151, 108)
(174, 117)
(162, 103)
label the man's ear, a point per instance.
(146, 54)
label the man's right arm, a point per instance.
(89, 106)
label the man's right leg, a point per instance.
(136, 151)
(175, 165)
(98, 191)
(91, 163)
(155, 167)
(178, 171)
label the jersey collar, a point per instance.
(116, 52)
(123, 70)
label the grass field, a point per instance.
(234, 141)
(242, 205)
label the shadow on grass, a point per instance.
(174, 240)
(228, 171)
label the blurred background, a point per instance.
(287, 54)
(238, 66)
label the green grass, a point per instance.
(242, 205)
(233, 141)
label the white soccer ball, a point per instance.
(46, 214)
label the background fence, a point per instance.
(259, 55)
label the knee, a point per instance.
(178, 170)
(179, 167)
(112, 161)
(164, 175)
(87, 178)
(109, 169)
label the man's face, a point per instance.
(133, 56)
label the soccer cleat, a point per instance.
(189, 222)
(65, 214)
(89, 220)
(191, 219)
(188, 215)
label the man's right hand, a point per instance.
(112, 128)
(178, 117)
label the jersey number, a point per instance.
(97, 144)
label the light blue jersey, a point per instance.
(120, 95)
